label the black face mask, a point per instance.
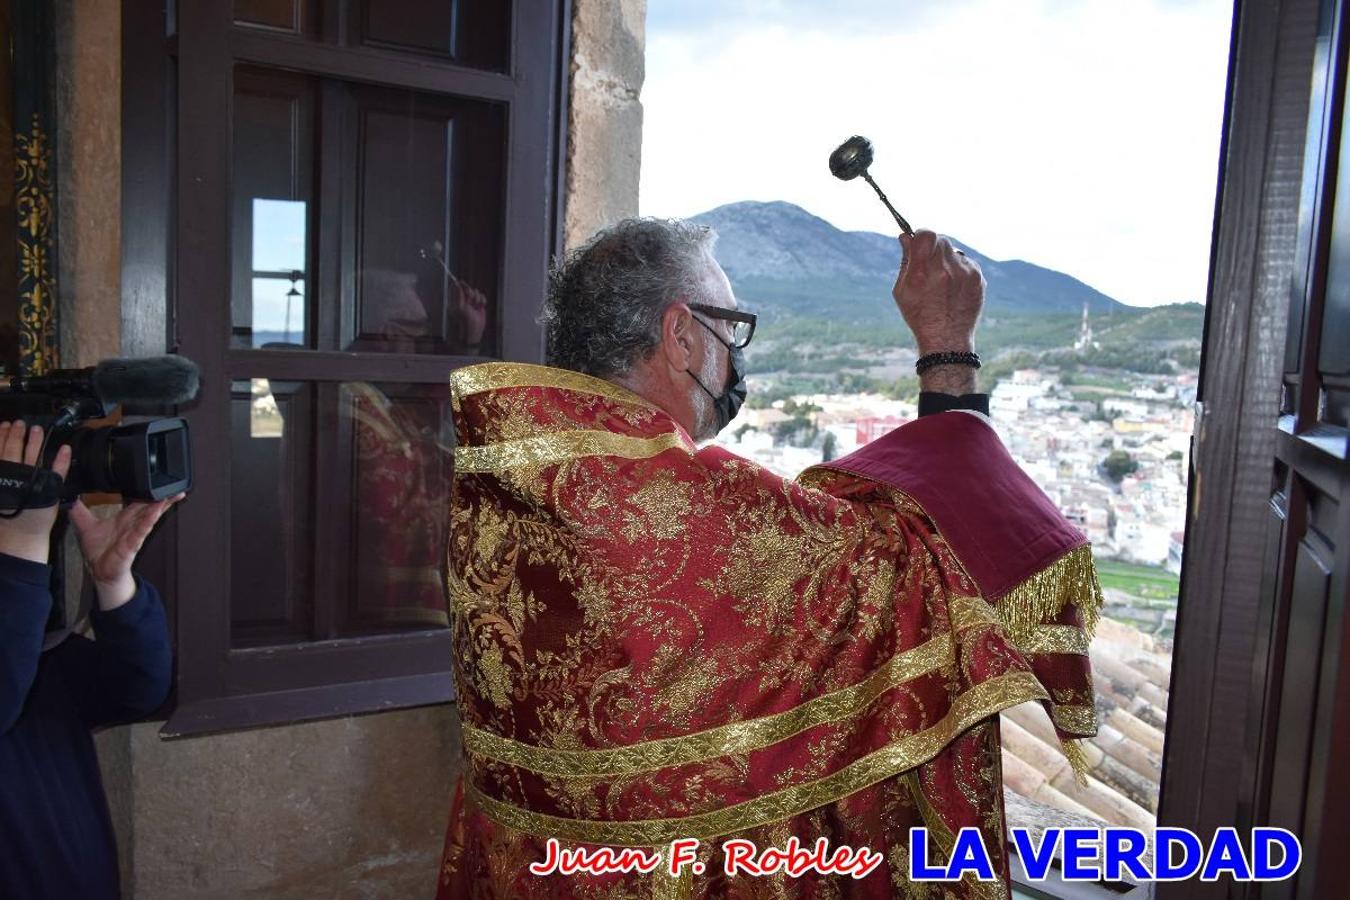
(728, 403)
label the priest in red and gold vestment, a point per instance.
(658, 640)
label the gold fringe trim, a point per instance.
(1041, 598)
(1027, 609)
(1073, 752)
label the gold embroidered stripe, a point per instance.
(976, 612)
(1057, 639)
(494, 375)
(560, 447)
(946, 842)
(905, 753)
(937, 828)
(971, 612)
(1078, 719)
(736, 737)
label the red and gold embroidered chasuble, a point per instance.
(655, 642)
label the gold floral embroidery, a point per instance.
(493, 680)
(33, 201)
(737, 737)
(981, 701)
(971, 612)
(661, 509)
(521, 607)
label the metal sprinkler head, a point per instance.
(853, 158)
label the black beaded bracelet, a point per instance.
(947, 358)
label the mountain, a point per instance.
(823, 299)
(781, 252)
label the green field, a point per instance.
(1147, 582)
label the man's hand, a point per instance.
(470, 305)
(28, 535)
(110, 545)
(940, 292)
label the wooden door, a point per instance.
(1259, 726)
(1301, 703)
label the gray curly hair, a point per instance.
(605, 299)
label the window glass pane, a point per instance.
(341, 491)
(428, 196)
(278, 285)
(284, 15)
(271, 539)
(272, 208)
(470, 32)
(401, 455)
(413, 189)
(278, 235)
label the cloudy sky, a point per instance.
(1082, 135)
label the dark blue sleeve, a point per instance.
(25, 602)
(125, 672)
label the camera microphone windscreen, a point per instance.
(155, 380)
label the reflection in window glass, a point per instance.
(370, 536)
(400, 471)
(278, 313)
(271, 515)
(271, 183)
(413, 240)
(473, 33)
(284, 15)
(278, 235)
(419, 287)
(264, 419)
(278, 272)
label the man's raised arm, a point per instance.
(940, 292)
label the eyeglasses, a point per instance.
(742, 323)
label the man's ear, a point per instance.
(677, 339)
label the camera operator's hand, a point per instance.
(110, 545)
(28, 535)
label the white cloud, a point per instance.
(1078, 134)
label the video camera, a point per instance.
(144, 460)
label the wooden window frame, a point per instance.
(1228, 655)
(176, 277)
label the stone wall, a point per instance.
(89, 178)
(604, 138)
(350, 807)
(353, 807)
